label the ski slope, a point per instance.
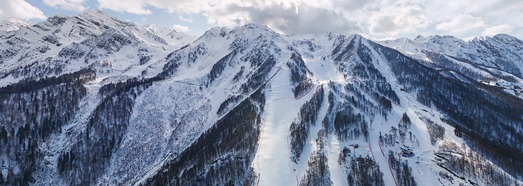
(272, 161)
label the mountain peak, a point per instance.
(94, 13)
(358, 36)
(11, 24)
(216, 31)
(155, 29)
(253, 28)
(100, 18)
(505, 37)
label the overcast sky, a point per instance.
(377, 19)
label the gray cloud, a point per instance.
(461, 23)
(300, 19)
(382, 24)
(378, 19)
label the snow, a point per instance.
(324, 71)
(320, 63)
(272, 160)
(380, 125)
(379, 155)
(146, 41)
(488, 51)
(159, 116)
(337, 173)
(12, 24)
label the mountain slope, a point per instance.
(12, 24)
(112, 103)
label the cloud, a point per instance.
(142, 7)
(395, 18)
(184, 19)
(75, 5)
(19, 9)
(381, 23)
(490, 31)
(290, 19)
(461, 23)
(373, 18)
(180, 28)
(130, 6)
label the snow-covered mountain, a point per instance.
(494, 60)
(502, 51)
(64, 44)
(91, 100)
(12, 24)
